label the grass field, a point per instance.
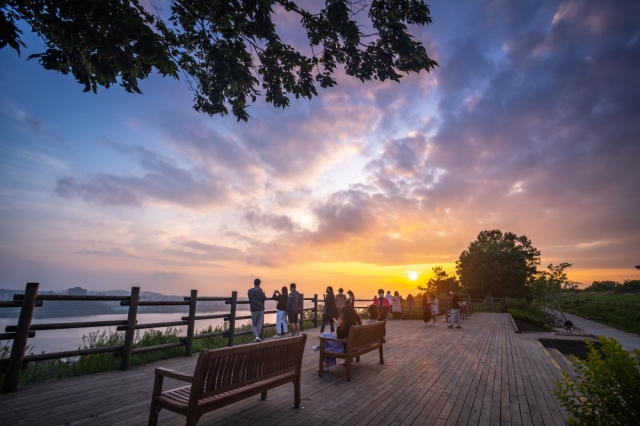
(621, 311)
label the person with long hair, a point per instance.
(341, 299)
(435, 310)
(426, 309)
(348, 318)
(373, 314)
(281, 313)
(330, 310)
(397, 306)
(351, 300)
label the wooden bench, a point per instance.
(362, 339)
(225, 376)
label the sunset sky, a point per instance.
(531, 124)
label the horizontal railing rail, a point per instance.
(24, 329)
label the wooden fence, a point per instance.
(30, 300)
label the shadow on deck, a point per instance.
(482, 374)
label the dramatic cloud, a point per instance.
(164, 181)
(530, 124)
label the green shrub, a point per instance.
(606, 390)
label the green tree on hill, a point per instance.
(498, 264)
(441, 283)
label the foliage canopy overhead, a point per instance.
(498, 264)
(229, 51)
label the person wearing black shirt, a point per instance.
(330, 311)
(455, 311)
(281, 314)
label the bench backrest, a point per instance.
(365, 335)
(222, 370)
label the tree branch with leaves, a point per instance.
(230, 51)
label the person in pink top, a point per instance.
(383, 305)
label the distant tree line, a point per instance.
(500, 264)
(627, 286)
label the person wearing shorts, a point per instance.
(294, 308)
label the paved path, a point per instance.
(483, 374)
(629, 341)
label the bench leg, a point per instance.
(192, 419)
(321, 360)
(153, 414)
(381, 355)
(348, 369)
(264, 396)
(296, 393)
(157, 391)
(357, 359)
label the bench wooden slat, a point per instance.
(362, 339)
(224, 376)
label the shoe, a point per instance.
(315, 348)
(426, 325)
(435, 324)
(449, 326)
(458, 327)
(277, 336)
(257, 340)
(343, 363)
(324, 370)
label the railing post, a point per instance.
(192, 322)
(302, 312)
(315, 310)
(232, 317)
(12, 375)
(130, 333)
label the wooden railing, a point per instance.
(30, 300)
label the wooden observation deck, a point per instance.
(482, 374)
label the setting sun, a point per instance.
(413, 275)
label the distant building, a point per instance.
(77, 291)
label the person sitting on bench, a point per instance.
(348, 318)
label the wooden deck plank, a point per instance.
(481, 374)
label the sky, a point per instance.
(530, 124)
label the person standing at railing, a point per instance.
(426, 309)
(256, 305)
(383, 305)
(330, 310)
(294, 310)
(397, 306)
(435, 309)
(281, 314)
(389, 298)
(351, 300)
(341, 299)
